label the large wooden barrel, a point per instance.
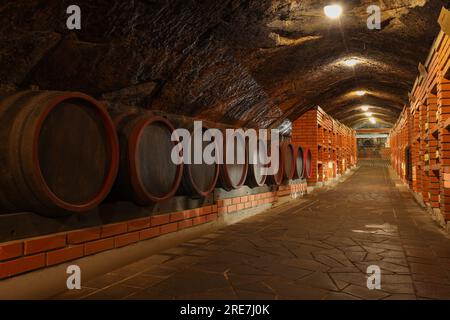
(147, 173)
(256, 176)
(58, 152)
(288, 163)
(299, 162)
(308, 163)
(198, 180)
(277, 179)
(233, 175)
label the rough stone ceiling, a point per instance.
(252, 63)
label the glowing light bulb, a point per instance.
(351, 62)
(372, 120)
(368, 114)
(364, 108)
(333, 11)
(360, 93)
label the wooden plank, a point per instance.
(444, 20)
(423, 70)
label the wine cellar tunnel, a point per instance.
(230, 149)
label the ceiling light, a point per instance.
(365, 108)
(351, 62)
(333, 11)
(360, 93)
(372, 120)
(369, 114)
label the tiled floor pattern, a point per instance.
(316, 248)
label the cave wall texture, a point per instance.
(244, 63)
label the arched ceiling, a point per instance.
(253, 62)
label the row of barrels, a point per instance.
(63, 152)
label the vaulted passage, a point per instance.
(225, 149)
(317, 248)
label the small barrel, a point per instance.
(256, 176)
(299, 162)
(277, 178)
(288, 163)
(308, 163)
(147, 173)
(233, 173)
(200, 179)
(59, 152)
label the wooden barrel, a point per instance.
(233, 175)
(256, 176)
(299, 162)
(58, 152)
(277, 179)
(308, 163)
(147, 173)
(288, 163)
(198, 180)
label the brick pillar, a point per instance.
(407, 141)
(415, 149)
(434, 187)
(305, 133)
(321, 156)
(339, 163)
(403, 144)
(333, 151)
(325, 156)
(423, 151)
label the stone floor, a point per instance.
(318, 247)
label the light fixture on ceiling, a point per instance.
(360, 93)
(351, 62)
(369, 114)
(365, 108)
(333, 11)
(372, 120)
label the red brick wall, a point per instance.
(443, 104)
(429, 135)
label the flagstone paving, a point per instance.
(316, 248)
